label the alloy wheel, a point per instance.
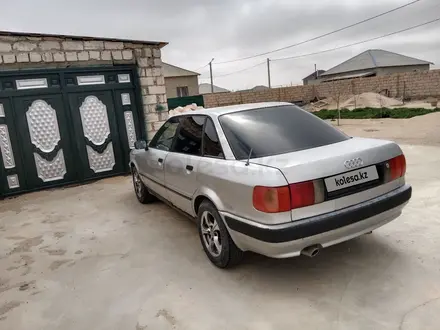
(211, 234)
(137, 183)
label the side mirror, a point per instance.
(141, 145)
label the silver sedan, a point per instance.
(270, 178)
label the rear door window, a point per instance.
(276, 130)
(189, 135)
(211, 143)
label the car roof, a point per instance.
(218, 111)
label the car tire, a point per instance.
(141, 191)
(214, 236)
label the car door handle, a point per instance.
(160, 160)
(189, 167)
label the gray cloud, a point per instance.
(198, 30)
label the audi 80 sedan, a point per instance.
(270, 178)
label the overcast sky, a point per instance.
(198, 30)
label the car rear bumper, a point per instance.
(288, 239)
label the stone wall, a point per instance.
(411, 85)
(24, 52)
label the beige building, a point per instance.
(180, 82)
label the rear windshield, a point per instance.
(276, 130)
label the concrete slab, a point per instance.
(92, 257)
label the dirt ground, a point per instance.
(369, 100)
(421, 130)
(92, 257)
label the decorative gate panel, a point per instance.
(45, 136)
(43, 126)
(101, 162)
(94, 120)
(6, 148)
(129, 126)
(51, 170)
(10, 164)
(96, 129)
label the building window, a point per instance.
(182, 91)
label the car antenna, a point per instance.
(249, 157)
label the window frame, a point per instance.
(178, 131)
(182, 88)
(202, 153)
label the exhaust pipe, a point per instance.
(311, 251)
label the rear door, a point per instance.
(182, 162)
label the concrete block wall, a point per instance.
(413, 85)
(24, 52)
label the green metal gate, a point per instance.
(184, 101)
(66, 126)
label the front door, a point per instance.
(152, 162)
(43, 135)
(97, 134)
(151, 170)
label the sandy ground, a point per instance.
(368, 100)
(421, 130)
(92, 257)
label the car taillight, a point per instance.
(306, 193)
(271, 199)
(396, 168)
(302, 194)
(286, 198)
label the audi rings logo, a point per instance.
(353, 163)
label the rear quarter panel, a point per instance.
(229, 185)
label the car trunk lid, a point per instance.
(346, 168)
(330, 160)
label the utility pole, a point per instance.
(210, 72)
(268, 71)
(316, 73)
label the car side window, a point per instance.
(211, 143)
(189, 136)
(164, 137)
